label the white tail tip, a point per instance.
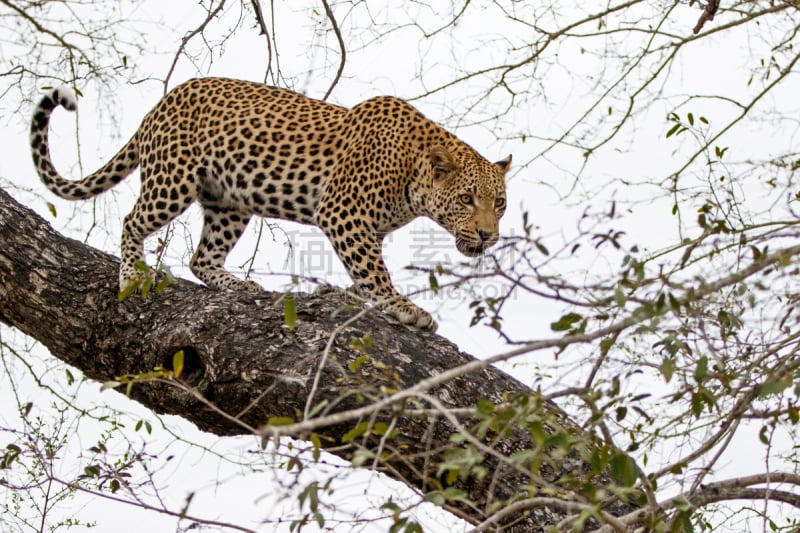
(64, 96)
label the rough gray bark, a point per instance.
(239, 351)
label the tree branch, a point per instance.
(708, 14)
(240, 357)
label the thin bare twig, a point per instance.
(185, 41)
(259, 17)
(262, 26)
(342, 50)
(147, 507)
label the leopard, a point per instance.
(243, 149)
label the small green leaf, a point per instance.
(280, 420)
(485, 407)
(606, 344)
(559, 439)
(456, 494)
(775, 386)
(317, 408)
(147, 284)
(682, 504)
(382, 428)
(289, 311)
(315, 440)
(437, 498)
(361, 456)
(353, 366)
(690, 118)
(294, 463)
(52, 208)
(624, 469)
(667, 369)
(619, 297)
(677, 468)
(162, 283)
(566, 322)
(697, 404)
(177, 363)
(434, 283)
(128, 291)
(794, 414)
(356, 432)
(764, 435)
(11, 455)
(389, 505)
(672, 130)
(701, 371)
(674, 304)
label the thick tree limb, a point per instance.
(242, 359)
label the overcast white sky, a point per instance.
(230, 492)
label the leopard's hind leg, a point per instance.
(222, 228)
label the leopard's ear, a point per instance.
(442, 163)
(503, 165)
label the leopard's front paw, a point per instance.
(408, 313)
(139, 280)
(245, 285)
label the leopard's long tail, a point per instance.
(117, 169)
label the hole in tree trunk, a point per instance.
(193, 368)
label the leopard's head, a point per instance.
(468, 196)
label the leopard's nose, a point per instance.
(485, 235)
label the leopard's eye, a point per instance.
(499, 202)
(465, 199)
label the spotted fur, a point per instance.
(244, 149)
